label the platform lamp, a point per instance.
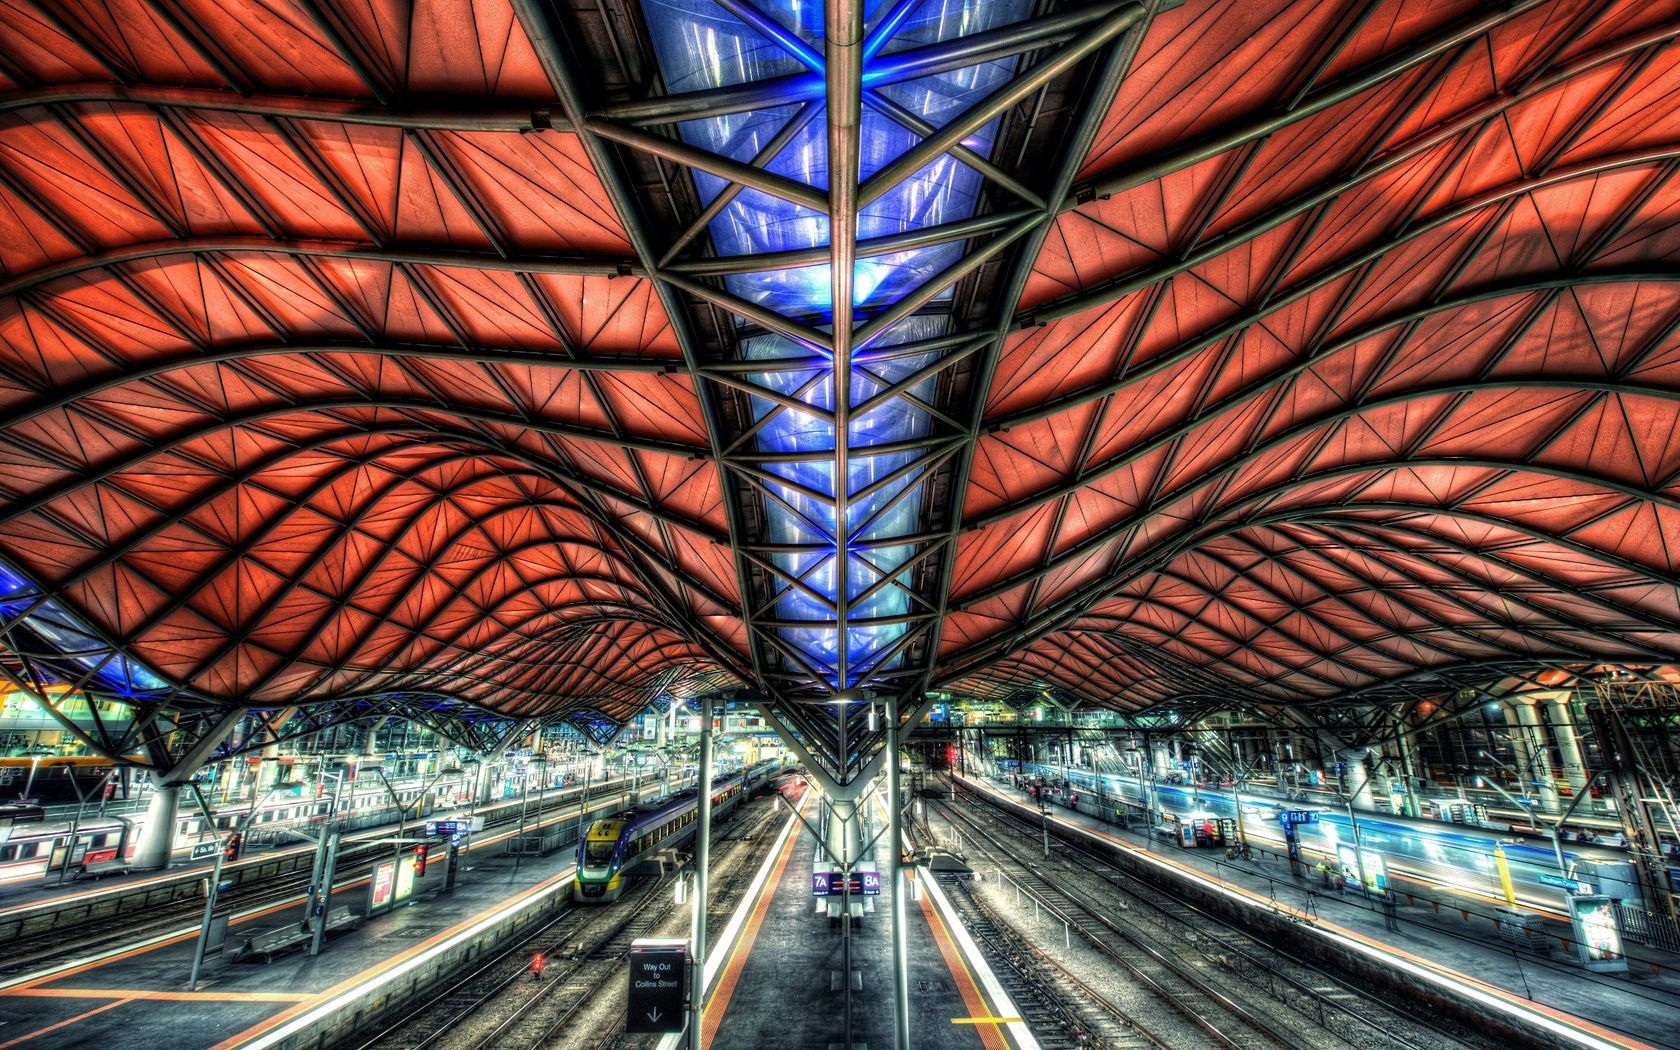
(379, 771)
(34, 754)
(237, 834)
(76, 825)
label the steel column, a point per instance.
(895, 858)
(702, 860)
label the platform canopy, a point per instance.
(563, 354)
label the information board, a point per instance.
(833, 884)
(405, 880)
(1297, 816)
(658, 985)
(453, 829)
(204, 850)
(1563, 882)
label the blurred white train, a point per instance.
(35, 846)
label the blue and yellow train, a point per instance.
(611, 850)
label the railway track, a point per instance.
(498, 1004)
(1219, 1018)
(599, 1024)
(1063, 1011)
(1294, 1002)
(458, 1015)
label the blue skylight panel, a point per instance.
(699, 46)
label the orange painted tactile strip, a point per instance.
(142, 993)
(64, 1023)
(352, 981)
(1520, 1004)
(974, 1001)
(711, 1017)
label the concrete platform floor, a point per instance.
(137, 999)
(784, 983)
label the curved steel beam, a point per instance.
(338, 604)
(558, 633)
(1270, 383)
(134, 460)
(545, 469)
(1331, 272)
(544, 28)
(564, 265)
(1249, 129)
(1306, 610)
(1283, 487)
(1566, 621)
(1226, 468)
(153, 367)
(417, 116)
(1054, 616)
(1105, 84)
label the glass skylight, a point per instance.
(701, 45)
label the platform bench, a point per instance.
(101, 868)
(275, 940)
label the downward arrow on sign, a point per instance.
(654, 1015)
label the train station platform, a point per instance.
(1456, 951)
(778, 975)
(136, 996)
(43, 893)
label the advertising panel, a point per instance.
(405, 880)
(1598, 936)
(1376, 872)
(380, 888)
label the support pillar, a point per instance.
(1535, 765)
(1414, 772)
(170, 773)
(268, 771)
(702, 859)
(157, 835)
(1569, 742)
(1356, 778)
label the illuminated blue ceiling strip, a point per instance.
(78, 646)
(704, 44)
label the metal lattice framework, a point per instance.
(537, 357)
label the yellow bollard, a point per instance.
(1504, 875)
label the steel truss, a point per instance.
(844, 544)
(844, 539)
